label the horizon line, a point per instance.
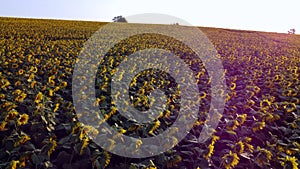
(99, 21)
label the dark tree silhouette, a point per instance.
(292, 31)
(119, 19)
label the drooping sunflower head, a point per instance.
(210, 151)
(11, 115)
(256, 89)
(230, 160)
(232, 85)
(290, 162)
(20, 98)
(24, 138)
(31, 77)
(231, 124)
(63, 84)
(289, 107)
(53, 143)
(38, 97)
(258, 126)
(33, 69)
(17, 92)
(3, 125)
(107, 158)
(239, 147)
(264, 156)
(265, 104)
(240, 119)
(14, 163)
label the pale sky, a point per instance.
(262, 15)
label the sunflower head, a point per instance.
(23, 119)
(18, 83)
(2, 96)
(14, 66)
(21, 71)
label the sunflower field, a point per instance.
(39, 127)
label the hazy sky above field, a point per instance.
(264, 15)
